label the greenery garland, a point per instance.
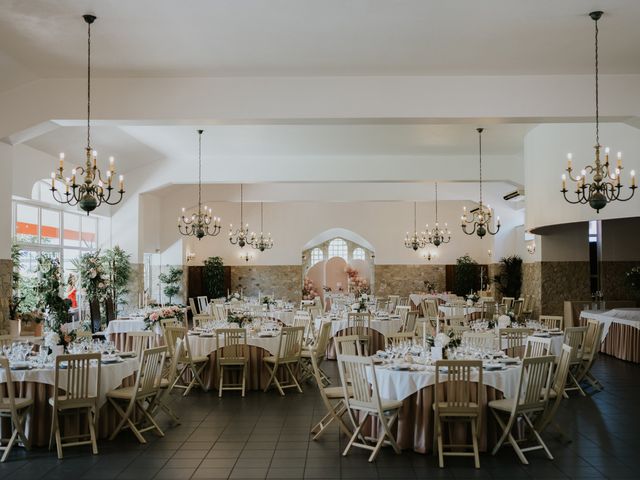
(213, 277)
(117, 266)
(49, 281)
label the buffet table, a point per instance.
(38, 383)
(621, 331)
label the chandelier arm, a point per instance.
(578, 201)
(464, 229)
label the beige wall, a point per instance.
(405, 279)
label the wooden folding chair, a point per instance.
(403, 302)
(458, 404)
(574, 337)
(551, 322)
(507, 303)
(359, 323)
(203, 304)
(141, 397)
(401, 338)
(317, 350)
(139, 341)
(488, 310)
(512, 340)
(532, 395)
(289, 352)
(593, 341)
(232, 353)
(16, 410)
(537, 347)
(364, 398)
(410, 323)
(188, 365)
(348, 345)
(556, 393)
(76, 387)
(166, 384)
(484, 340)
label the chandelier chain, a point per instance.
(480, 150)
(597, 87)
(436, 202)
(199, 171)
(89, 85)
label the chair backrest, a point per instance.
(76, 381)
(589, 340)
(430, 306)
(139, 341)
(393, 302)
(488, 310)
(458, 331)
(359, 322)
(291, 340)
(552, 321)
(403, 302)
(512, 340)
(508, 302)
(353, 371)
(348, 345)
(462, 393)
(534, 383)
(527, 306)
(322, 342)
(517, 307)
(172, 334)
(537, 347)
(7, 395)
(84, 334)
(192, 304)
(402, 312)
(382, 304)
(203, 304)
(591, 349)
(168, 322)
(574, 338)
(149, 374)
(178, 349)
(402, 338)
(558, 385)
(478, 339)
(6, 340)
(221, 311)
(410, 322)
(231, 343)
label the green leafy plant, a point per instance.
(171, 281)
(466, 275)
(509, 279)
(117, 266)
(632, 279)
(213, 277)
(48, 287)
(93, 278)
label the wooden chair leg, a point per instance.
(92, 431)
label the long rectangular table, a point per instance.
(621, 332)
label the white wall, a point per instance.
(545, 152)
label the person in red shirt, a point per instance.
(71, 290)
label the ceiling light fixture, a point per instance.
(480, 217)
(605, 185)
(202, 223)
(261, 242)
(415, 241)
(437, 235)
(94, 190)
(240, 236)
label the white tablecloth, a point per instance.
(111, 376)
(203, 346)
(624, 316)
(125, 326)
(448, 311)
(385, 327)
(398, 385)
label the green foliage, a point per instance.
(16, 296)
(117, 266)
(48, 287)
(466, 276)
(93, 279)
(214, 277)
(632, 279)
(171, 281)
(509, 280)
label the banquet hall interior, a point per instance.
(319, 239)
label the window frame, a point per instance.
(343, 243)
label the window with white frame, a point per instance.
(358, 254)
(38, 229)
(316, 256)
(338, 248)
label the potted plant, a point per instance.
(49, 299)
(466, 276)
(214, 277)
(31, 323)
(509, 279)
(117, 266)
(171, 281)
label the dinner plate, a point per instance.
(20, 366)
(399, 368)
(127, 354)
(111, 360)
(493, 367)
(266, 335)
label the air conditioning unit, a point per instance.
(515, 196)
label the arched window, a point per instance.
(358, 254)
(316, 256)
(338, 248)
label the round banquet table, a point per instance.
(257, 374)
(471, 313)
(118, 329)
(378, 330)
(415, 425)
(39, 385)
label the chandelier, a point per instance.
(605, 186)
(416, 240)
(94, 189)
(437, 235)
(240, 236)
(480, 217)
(202, 223)
(261, 242)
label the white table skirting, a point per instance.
(203, 346)
(623, 316)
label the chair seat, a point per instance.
(447, 409)
(5, 405)
(124, 392)
(337, 392)
(273, 359)
(505, 404)
(200, 359)
(390, 404)
(64, 403)
(233, 361)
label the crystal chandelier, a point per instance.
(94, 189)
(605, 186)
(240, 236)
(202, 223)
(437, 235)
(261, 242)
(479, 218)
(416, 240)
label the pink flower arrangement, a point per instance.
(309, 291)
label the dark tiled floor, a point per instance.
(266, 436)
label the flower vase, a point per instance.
(436, 353)
(37, 332)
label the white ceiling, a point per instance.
(310, 37)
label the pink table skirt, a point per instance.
(378, 342)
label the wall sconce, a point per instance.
(429, 255)
(531, 247)
(490, 253)
(190, 256)
(246, 256)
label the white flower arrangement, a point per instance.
(441, 340)
(51, 339)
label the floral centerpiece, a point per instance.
(429, 287)
(359, 285)
(266, 300)
(472, 298)
(50, 300)
(309, 291)
(362, 302)
(153, 317)
(443, 340)
(241, 320)
(234, 297)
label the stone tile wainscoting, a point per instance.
(560, 281)
(6, 265)
(613, 278)
(283, 280)
(405, 279)
(531, 284)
